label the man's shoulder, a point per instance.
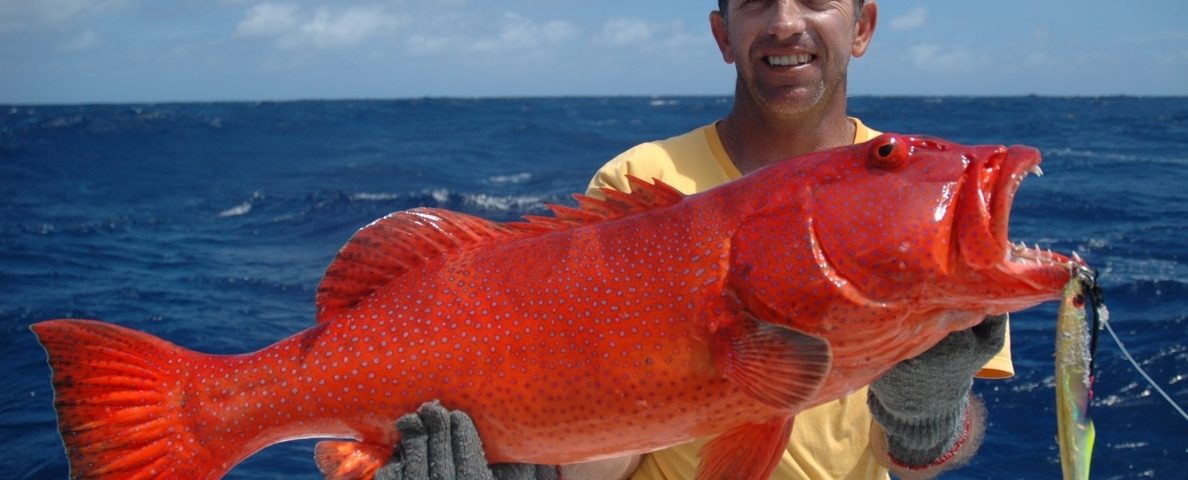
(669, 149)
(664, 159)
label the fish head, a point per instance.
(922, 222)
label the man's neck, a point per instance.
(755, 141)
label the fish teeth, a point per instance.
(1025, 254)
(1037, 171)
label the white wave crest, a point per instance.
(374, 197)
(503, 203)
(507, 179)
(241, 209)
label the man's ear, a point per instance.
(864, 31)
(718, 27)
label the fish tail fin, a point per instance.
(121, 405)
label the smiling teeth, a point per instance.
(785, 60)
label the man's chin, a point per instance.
(791, 101)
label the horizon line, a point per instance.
(549, 97)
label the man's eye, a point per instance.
(753, 3)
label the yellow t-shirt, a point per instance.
(830, 441)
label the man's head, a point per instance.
(792, 56)
(723, 5)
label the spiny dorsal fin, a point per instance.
(391, 246)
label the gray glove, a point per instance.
(921, 402)
(437, 444)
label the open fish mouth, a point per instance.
(992, 179)
(1020, 163)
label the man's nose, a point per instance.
(787, 19)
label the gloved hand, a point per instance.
(437, 444)
(921, 402)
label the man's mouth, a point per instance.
(789, 60)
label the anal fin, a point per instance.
(749, 452)
(350, 460)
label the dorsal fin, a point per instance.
(394, 244)
(388, 247)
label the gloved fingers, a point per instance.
(394, 470)
(414, 447)
(470, 462)
(524, 471)
(437, 425)
(990, 335)
(514, 471)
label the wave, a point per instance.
(509, 179)
(243, 208)
(374, 197)
(334, 207)
(1071, 152)
(504, 203)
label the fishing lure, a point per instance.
(1076, 344)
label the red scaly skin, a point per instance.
(620, 328)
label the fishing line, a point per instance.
(1101, 318)
(1106, 322)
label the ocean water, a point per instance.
(211, 224)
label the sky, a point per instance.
(105, 51)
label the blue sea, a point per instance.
(210, 224)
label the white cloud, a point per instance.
(620, 32)
(913, 19)
(291, 26)
(519, 33)
(509, 32)
(945, 59)
(329, 29)
(268, 19)
(641, 34)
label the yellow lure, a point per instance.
(1075, 341)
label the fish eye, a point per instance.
(886, 149)
(888, 152)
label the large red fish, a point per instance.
(622, 326)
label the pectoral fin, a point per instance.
(749, 452)
(773, 364)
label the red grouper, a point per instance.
(718, 314)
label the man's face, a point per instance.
(791, 54)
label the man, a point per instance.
(791, 58)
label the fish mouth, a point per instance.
(992, 179)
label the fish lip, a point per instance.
(1013, 165)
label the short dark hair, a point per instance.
(857, 4)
